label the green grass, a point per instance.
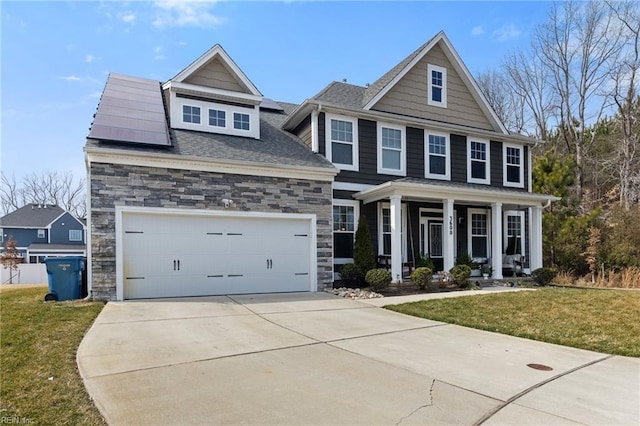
(40, 383)
(599, 320)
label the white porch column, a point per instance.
(535, 238)
(396, 238)
(448, 244)
(496, 240)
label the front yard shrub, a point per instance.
(461, 274)
(422, 277)
(465, 259)
(425, 262)
(543, 276)
(363, 254)
(378, 279)
(351, 273)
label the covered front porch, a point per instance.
(417, 218)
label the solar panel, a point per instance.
(131, 110)
(270, 104)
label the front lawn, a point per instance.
(40, 383)
(599, 320)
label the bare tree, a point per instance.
(10, 194)
(509, 107)
(624, 92)
(10, 257)
(578, 46)
(528, 80)
(50, 187)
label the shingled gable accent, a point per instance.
(214, 62)
(382, 86)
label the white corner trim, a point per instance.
(184, 162)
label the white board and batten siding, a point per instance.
(181, 253)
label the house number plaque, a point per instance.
(450, 225)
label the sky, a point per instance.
(56, 56)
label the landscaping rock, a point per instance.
(353, 293)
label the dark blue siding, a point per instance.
(415, 153)
(61, 227)
(458, 158)
(24, 237)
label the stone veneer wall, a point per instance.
(122, 185)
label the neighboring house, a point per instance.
(202, 186)
(44, 230)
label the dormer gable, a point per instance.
(433, 83)
(214, 95)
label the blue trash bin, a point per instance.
(65, 277)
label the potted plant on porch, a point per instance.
(486, 272)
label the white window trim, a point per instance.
(447, 166)
(191, 106)
(226, 118)
(403, 150)
(487, 213)
(505, 238)
(354, 121)
(430, 101)
(470, 179)
(356, 215)
(505, 182)
(41, 233)
(75, 230)
(403, 215)
(177, 123)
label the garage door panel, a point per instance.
(216, 255)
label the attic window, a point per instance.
(40, 233)
(437, 86)
(240, 121)
(191, 114)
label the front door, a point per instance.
(431, 240)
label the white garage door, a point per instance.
(194, 255)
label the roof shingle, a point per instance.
(32, 216)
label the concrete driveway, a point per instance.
(318, 359)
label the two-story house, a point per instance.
(200, 185)
(43, 230)
(426, 160)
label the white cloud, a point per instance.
(71, 78)
(177, 13)
(477, 30)
(89, 58)
(158, 53)
(127, 17)
(506, 32)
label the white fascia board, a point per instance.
(460, 67)
(404, 71)
(217, 50)
(215, 165)
(177, 87)
(457, 62)
(424, 191)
